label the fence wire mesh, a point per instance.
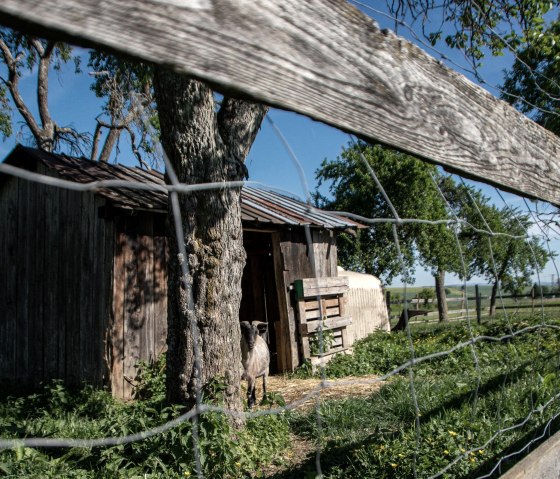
(409, 367)
(421, 429)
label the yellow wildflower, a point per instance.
(393, 465)
(452, 433)
(446, 452)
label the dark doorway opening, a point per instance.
(259, 300)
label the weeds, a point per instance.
(471, 403)
(89, 413)
(469, 411)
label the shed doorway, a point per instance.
(259, 301)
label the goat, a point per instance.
(256, 358)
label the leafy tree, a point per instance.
(409, 184)
(532, 83)
(516, 285)
(426, 294)
(353, 189)
(477, 27)
(509, 255)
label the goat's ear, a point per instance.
(261, 326)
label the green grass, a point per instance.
(462, 405)
(89, 413)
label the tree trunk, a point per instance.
(492, 311)
(109, 145)
(205, 147)
(441, 297)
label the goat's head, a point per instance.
(250, 331)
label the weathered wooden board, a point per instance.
(311, 327)
(160, 292)
(117, 331)
(327, 60)
(24, 268)
(9, 275)
(318, 314)
(51, 323)
(312, 287)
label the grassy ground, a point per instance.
(470, 404)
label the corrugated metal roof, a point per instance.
(257, 205)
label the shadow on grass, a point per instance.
(517, 451)
(340, 457)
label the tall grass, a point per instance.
(468, 412)
(463, 407)
(91, 413)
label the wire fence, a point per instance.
(408, 367)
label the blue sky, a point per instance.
(73, 104)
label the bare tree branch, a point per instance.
(13, 88)
(43, 87)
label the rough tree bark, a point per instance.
(441, 297)
(205, 146)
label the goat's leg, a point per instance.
(265, 376)
(254, 395)
(250, 392)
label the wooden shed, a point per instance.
(83, 274)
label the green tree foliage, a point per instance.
(477, 27)
(407, 183)
(486, 241)
(509, 256)
(532, 83)
(426, 294)
(411, 185)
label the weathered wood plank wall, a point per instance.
(296, 264)
(139, 315)
(55, 285)
(8, 272)
(327, 60)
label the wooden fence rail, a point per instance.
(327, 60)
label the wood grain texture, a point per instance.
(327, 60)
(313, 287)
(339, 322)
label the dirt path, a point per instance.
(296, 389)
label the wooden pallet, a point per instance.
(321, 304)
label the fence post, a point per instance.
(478, 304)
(388, 302)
